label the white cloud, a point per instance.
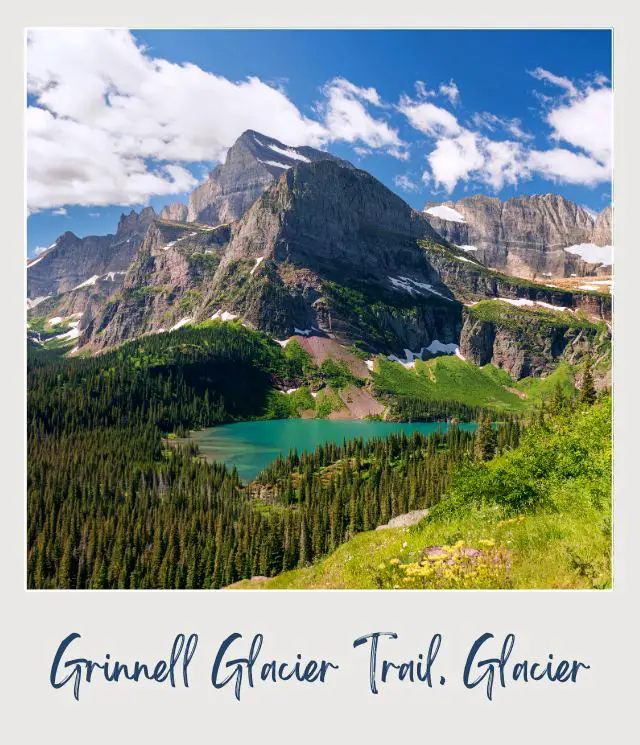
(347, 118)
(586, 123)
(454, 159)
(496, 151)
(429, 118)
(60, 211)
(120, 126)
(406, 183)
(541, 74)
(565, 166)
(493, 123)
(450, 91)
(40, 250)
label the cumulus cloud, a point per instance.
(110, 124)
(496, 151)
(428, 118)
(60, 211)
(346, 118)
(566, 166)
(584, 121)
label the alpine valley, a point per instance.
(293, 285)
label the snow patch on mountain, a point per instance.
(88, 282)
(293, 154)
(445, 213)
(413, 287)
(259, 260)
(180, 324)
(592, 253)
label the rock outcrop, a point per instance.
(527, 341)
(176, 211)
(164, 285)
(603, 230)
(253, 163)
(525, 236)
(469, 281)
(70, 261)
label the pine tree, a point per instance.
(485, 444)
(587, 387)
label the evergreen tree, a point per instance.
(587, 386)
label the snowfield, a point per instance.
(273, 163)
(223, 315)
(592, 253)
(88, 282)
(445, 213)
(292, 154)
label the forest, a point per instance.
(112, 504)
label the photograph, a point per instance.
(318, 309)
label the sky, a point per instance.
(118, 119)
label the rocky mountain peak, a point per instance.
(135, 222)
(253, 162)
(176, 212)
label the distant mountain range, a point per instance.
(544, 235)
(296, 242)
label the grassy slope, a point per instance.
(555, 491)
(452, 379)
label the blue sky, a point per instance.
(117, 120)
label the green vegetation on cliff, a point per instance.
(433, 388)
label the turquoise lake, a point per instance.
(250, 446)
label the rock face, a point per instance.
(164, 285)
(176, 211)
(469, 281)
(525, 236)
(526, 342)
(253, 163)
(326, 250)
(602, 231)
(71, 260)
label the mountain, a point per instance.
(329, 252)
(251, 166)
(325, 250)
(543, 235)
(72, 261)
(176, 211)
(602, 232)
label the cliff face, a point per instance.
(325, 248)
(72, 260)
(470, 281)
(176, 211)
(251, 166)
(525, 236)
(163, 286)
(527, 342)
(603, 229)
(317, 235)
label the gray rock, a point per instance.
(176, 211)
(253, 163)
(73, 260)
(526, 236)
(404, 521)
